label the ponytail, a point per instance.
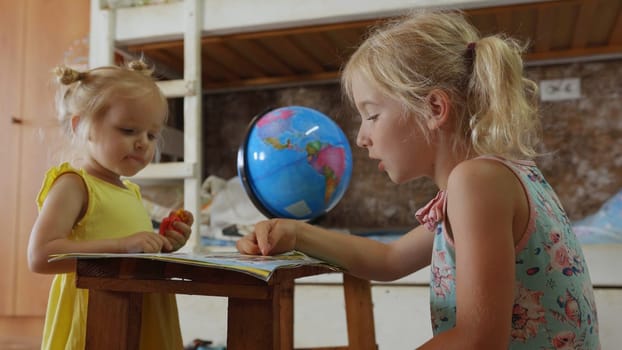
(501, 102)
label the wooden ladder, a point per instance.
(101, 52)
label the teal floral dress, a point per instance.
(553, 297)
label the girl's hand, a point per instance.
(179, 233)
(270, 237)
(144, 242)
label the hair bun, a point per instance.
(139, 66)
(66, 75)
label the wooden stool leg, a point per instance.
(251, 325)
(262, 324)
(359, 316)
(113, 320)
(287, 315)
(359, 313)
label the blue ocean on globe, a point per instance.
(295, 162)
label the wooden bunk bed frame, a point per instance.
(187, 21)
(200, 23)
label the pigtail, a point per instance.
(66, 75)
(502, 103)
(140, 66)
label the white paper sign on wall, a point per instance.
(560, 89)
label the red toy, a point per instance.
(177, 215)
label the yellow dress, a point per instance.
(112, 212)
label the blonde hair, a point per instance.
(495, 106)
(90, 93)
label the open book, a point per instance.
(258, 266)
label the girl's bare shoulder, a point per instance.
(485, 180)
(481, 172)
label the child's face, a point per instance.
(389, 134)
(123, 140)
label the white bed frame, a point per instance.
(190, 20)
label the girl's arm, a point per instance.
(63, 207)
(360, 256)
(483, 200)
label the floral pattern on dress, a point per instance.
(592, 315)
(440, 317)
(562, 258)
(527, 313)
(569, 310)
(566, 340)
(442, 275)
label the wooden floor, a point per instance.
(20, 333)
(19, 343)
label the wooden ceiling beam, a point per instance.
(257, 52)
(615, 38)
(292, 54)
(504, 20)
(574, 52)
(318, 45)
(544, 28)
(233, 60)
(584, 21)
(215, 70)
(493, 10)
(272, 81)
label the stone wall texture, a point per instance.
(582, 140)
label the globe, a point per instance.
(295, 162)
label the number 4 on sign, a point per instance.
(560, 89)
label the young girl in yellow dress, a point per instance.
(114, 116)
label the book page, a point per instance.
(256, 265)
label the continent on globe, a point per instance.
(330, 162)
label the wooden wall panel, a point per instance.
(54, 31)
(11, 46)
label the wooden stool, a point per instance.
(359, 316)
(260, 313)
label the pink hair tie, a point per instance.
(470, 52)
